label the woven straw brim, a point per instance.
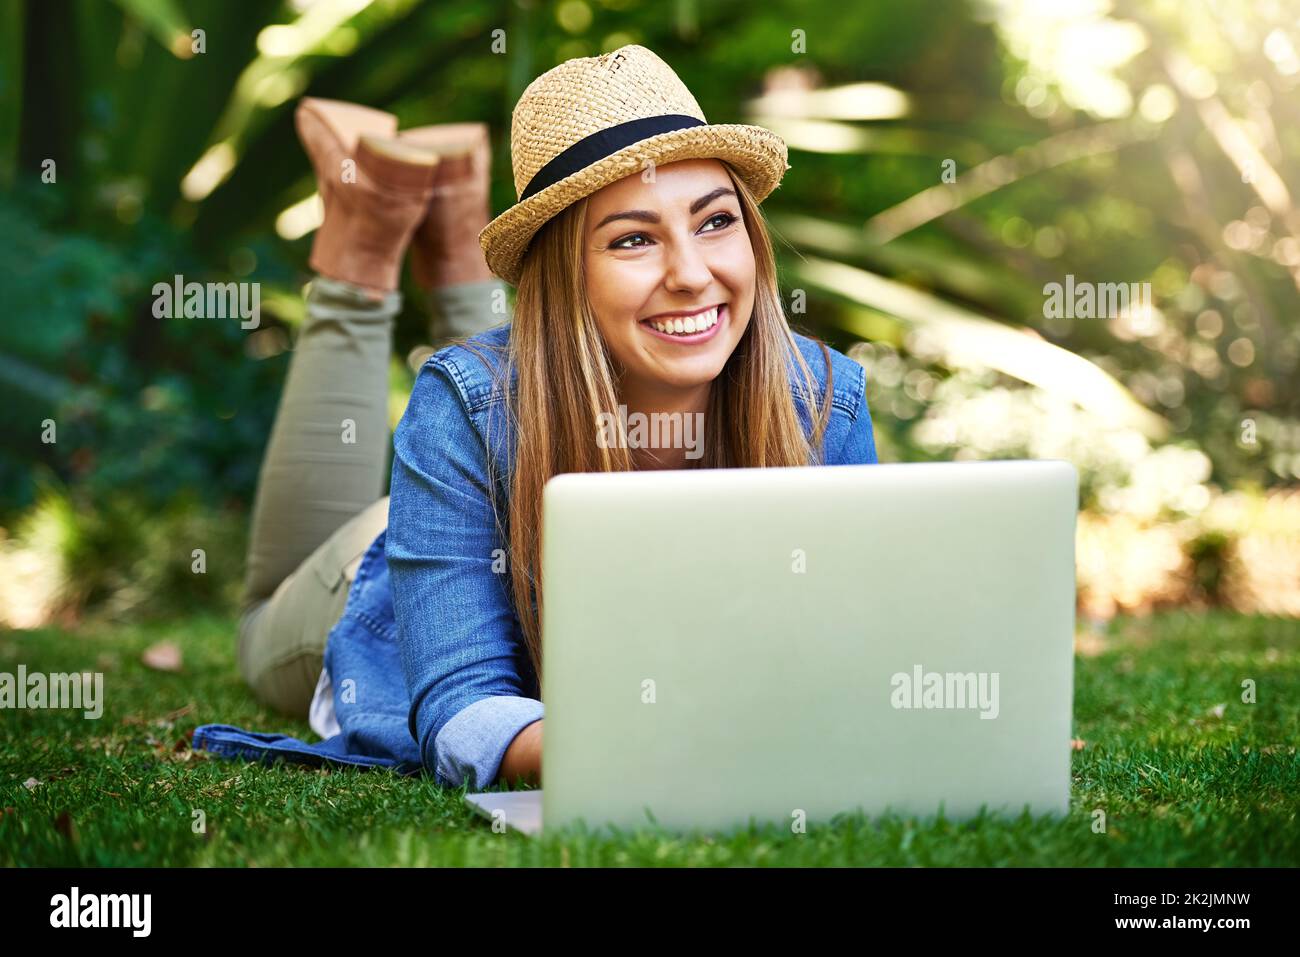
(758, 155)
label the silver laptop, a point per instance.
(785, 645)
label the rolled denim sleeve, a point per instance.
(459, 639)
(471, 745)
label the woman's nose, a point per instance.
(686, 268)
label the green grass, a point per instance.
(1179, 783)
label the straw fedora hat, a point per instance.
(592, 121)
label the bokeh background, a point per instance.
(950, 161)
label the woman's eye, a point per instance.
(727, 220)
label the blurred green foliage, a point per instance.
(123, 559)
(131, 402)
(949, 161)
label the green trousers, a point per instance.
(318, 505)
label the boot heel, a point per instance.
(336, 125)
(391, 162)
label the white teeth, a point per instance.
(680, 326)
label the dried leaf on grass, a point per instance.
(163, 656)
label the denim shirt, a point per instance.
(427, 663)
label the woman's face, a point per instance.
(674, 245)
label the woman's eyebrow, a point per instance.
(645, 216)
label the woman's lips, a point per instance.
(690, 338)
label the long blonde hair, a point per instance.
(567, 377)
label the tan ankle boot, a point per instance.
(375, 190)
(446, 248)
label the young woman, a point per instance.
(646, 279)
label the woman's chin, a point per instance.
(686, 373)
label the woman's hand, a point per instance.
(523, 759)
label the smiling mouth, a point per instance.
(687, 327)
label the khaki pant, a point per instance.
(319, 504)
